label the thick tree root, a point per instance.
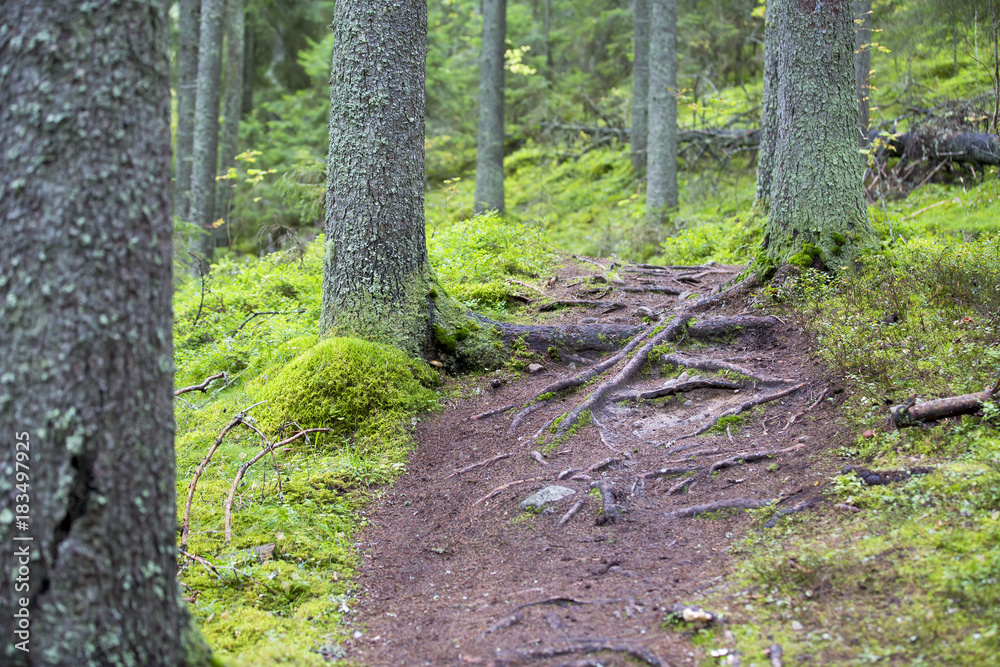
(733, 503)
(724, 326)
(672, 387)
(738, 409)
(519, 417)
(683, 361)
(503, 487)
(609, 511)
(610, 306)
(630, 370)
(491, 413)
(752, 457)
(583, 646)
(480, 464)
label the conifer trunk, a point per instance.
(640, 85)
(86, 371)
(769, 112)
(187, 76)
(862, 63)
(206, 121)
(233, 109)
(661, 175)
(489, 146)
(817, 199)
(375, 280)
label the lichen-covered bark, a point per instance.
(863, 63)
(817, 211)
(640, 84)
(375, 281)
(489, 146)
(233, 107)
(187, 75)
(206, 118)
(769, 112)
(661, 161)
(86, 370)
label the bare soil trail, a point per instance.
(455, 573)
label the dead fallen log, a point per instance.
(735, 503)
(967, 147)
(915, 414)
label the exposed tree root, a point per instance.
(631, 369)
(672, 387)
(733, 503)
(791, 420)
(490, 413)
(577, 506)
(537, 455)
(503, 623)
(723, 326)
(736, 291)
(609, 511)
(516, 421)
(684, 361)
(752, 457)
(568, 303)
(669, 472)
(479, 464)
(503, 487)
(740, 408)
(584, 646)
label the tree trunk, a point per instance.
(86, 372)
(375, 280)
(248, 69)
(769, 113)
(817, 212)
(206, 121)
(231, 116)
(187, 75)
(863, 63)
(661, 176)
(547, 27)
(640, 85)
(489, 148)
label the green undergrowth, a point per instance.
(280, 591)
(913, 577)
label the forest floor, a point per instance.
(454, 574)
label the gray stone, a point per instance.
(535, 368)
(543, 497)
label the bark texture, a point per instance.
(375, 281)
(206, 119)
(85, 320)
(489, 147)
(863, 63)
(817, 211)
(640, 84)
(187, 75)
(233, 109)
(661, 175)
(769, 112)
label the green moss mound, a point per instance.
(349, 385)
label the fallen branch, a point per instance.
(201, 561)
(490, 413)
(571, 512)
(741, 408)
(479, 464)
(915, 414)
(733, 503)
(523, 284)
(503, 487)
(228, 506)
(204, 384)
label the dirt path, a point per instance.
(451, 578)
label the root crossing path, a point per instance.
(654, 452)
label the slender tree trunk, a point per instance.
(231, 116)
(489, 147)
(769, 112)
(206, 121)
(375, 280)
(640, 85)
(187, 75)
(661, 176)
(863, 63)
(86, 371)
(548, 30)
(817, 200)
(248, 70)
